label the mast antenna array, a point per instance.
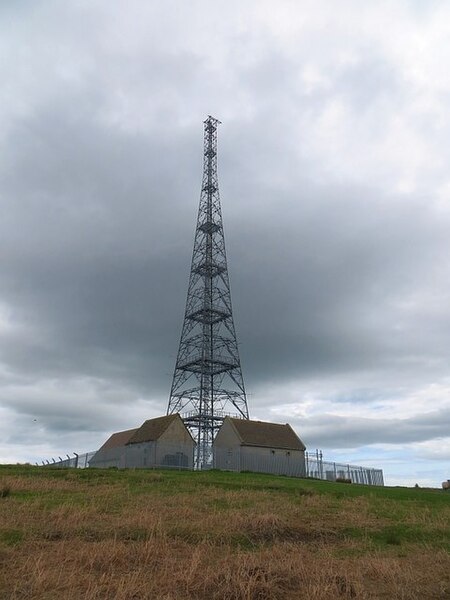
(207, 382)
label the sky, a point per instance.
(333, 168)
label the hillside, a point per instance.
(135, 535)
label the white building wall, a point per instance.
(175, 447)
(226, 436)
(227, 449)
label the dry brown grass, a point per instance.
(69, 538)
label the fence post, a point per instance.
(76, 460)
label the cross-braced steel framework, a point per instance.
(207, 382)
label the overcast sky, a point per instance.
(335, 187)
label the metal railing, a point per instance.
(311, 465)
(334, 471)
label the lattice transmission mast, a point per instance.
(207, 383)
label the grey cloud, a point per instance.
(99, 265)
(99, 185)
(332, 431)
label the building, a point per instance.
(112, 453)
(244, 445)
(160, 442)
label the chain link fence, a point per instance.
(77, 461)
(169, 456)
(334, 471)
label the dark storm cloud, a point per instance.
(90, 257)
(97, 265)
(329, 281)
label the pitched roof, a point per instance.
(118, 439)
(267, 435)
(152, 429)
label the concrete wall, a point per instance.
(140, 455)
(226, 436)
(260, 460)
(175, 455)
(175, 447)
(114, 457)
(227, 449)
(177, 432)
(136, 455)
(273, 460)
(227, 459)
(146, 455)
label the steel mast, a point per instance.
(207, 382)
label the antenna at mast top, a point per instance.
(212, 120)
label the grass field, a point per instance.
(135, 535)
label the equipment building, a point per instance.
(161, 442)
(244, 445)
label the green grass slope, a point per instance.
(141, 534)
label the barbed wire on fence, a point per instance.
(77, 461)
